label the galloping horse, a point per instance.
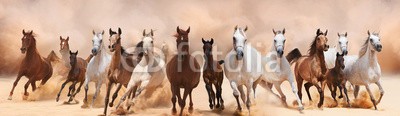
(33, 66)
(75, 75)
(335, 78)
(183, 71)
(117, 73)
(311, 67)
(341, 47)
(366, 69)
(148, 73)
(212, 74)
(282, 71)
(65, 51)
(96, 69)
(242, 67)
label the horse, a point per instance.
(242, 67)
(65, 51)
(282, 72)
(33, 66)
(183, 71)
(212, 74)
(75, 75)
(96, 68)
(311, 67)
(341, 47)
(366, 69)
(117, 73)
(335, 78)
(148, 73)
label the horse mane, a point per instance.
(364, 48)
(313, 45)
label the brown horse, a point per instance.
(212, 74)
(76, 74)
(311, 67)
(117, 73)
(335, 78)
(183, 71)
(33, 66)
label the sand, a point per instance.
(42, 102)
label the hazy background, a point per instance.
(50, 19)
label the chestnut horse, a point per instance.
(33, 66)
(212, 74)
(183, 71)
(335, 78)
(75, 75)
(117, 73)
(311, 67)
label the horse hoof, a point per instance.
(57, 99)
(174, 112)
(222, 107)
(25, 97)
(217, 106)
(301, 109)
(211, 106)
(9, 98)
(341, 96)
(111, 104)
(190, 110)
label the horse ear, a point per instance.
(70, 52)
(60, 38)
(30, 33)
(273, 30)
(151, 32)
(76, 52)
(94, 33)
(236, 27)
(119, 31)
(345, 34)
(67, 38)
(337, 54)
(178, 30)
(110, 31)
(326, 32)
(202, 40)
(212, 41)
(144, 32)
(23, 31)
(188, 30)
(318, 31)
(283, 31)
(368, 33)
(245, 29)
(102, 33)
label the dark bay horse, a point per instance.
(117, 73)
(311, 67)
(212, 74)
(335, 78)
(183, 71)
(76, 75)
(33, 66)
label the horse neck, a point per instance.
(319, 55)
(73, 66)
(32, 51)
(371, 57)
(208, 61)
(116, 58)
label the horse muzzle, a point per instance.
(378, 47)
(344, 52)
(23, 50)
(94, 52)
(280, 53)
(326, 47)
(239, 55)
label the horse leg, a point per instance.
(109, 87)
(14, 85)
(26, 94)
(356, 89)
(62, 87)
(333, 92)
(132, 93)
(234, 87)
(191, 102)
(71, 87)
(242, 95)
(371, 96)
(115, 95)
(347, 97)
(249, 93)
(283, 97)
(78, 90)
(381, 91)
(210, 99)
(299, 81)
(173, 98)
(33, 84)
(218, 95)
(341, 91)
(73, 91)
(98, 86)
(295, 91)
(321, 92)
(307, 87)
(182, 103)
(129, 90)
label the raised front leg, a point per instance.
(14, 85)
(62, 87)
(381, 91)
(283, 97)
(234, 87)
(115, 95)
(321, 93)
(371, 96)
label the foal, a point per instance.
(336, 79)
(212, 74)
(76, 74)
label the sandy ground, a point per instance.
(42, 102)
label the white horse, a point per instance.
(277, 68)
(242, 67)
(96, 69)
(341, 47)
(366, 69)
(149, 72)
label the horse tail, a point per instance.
(89, 58)
(221, 62)
(293, 55)
(52, 57)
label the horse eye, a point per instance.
(275, 41)
(151, 41)
(284, 41)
